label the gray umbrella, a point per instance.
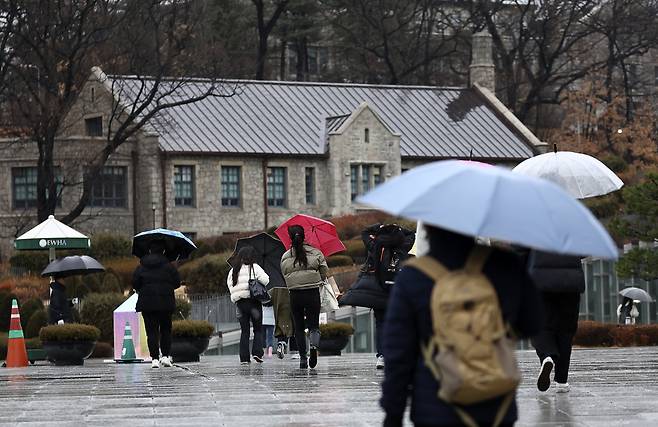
(636, 294)
(72, 265)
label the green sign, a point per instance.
(66, 243)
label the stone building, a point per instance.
(250, 161)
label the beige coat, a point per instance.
(300, 277)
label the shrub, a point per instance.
(102, 350)
(105, 246)
(217, 244)
(183, 309)
(206, 275)
(26, 287)
(123, 269)
(98, 310)
(38, 320)
(593, 334)
(623, 335)
(192, 328)
(69, 332)
(3, 346)
(350, 226)
(336, 329)
(33, 343)
(29, 262)
(28, 309)
(357, 250)
(339, 261)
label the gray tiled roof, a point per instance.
(290, 118)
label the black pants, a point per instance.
(158, 332)
(250, 313)
(380, 315)
(554, 341)
(305, 309)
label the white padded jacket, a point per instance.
(241, 289)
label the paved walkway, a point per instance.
(611, 387)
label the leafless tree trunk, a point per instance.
(265, 27)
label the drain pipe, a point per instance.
(265, 211)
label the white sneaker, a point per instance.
(544, 378)
(380, 362)
(295, 355)
(165, 361)
(155, 363)
(562, 387)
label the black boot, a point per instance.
(303, 362)
(313, 361)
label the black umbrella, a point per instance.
(268, 255)
(72, 265)
(177, 246)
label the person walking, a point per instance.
(283, 329)
(560, 280)
(627, 312)
(155, 280)
(304, 269)
(409, 330)
(59, 309)
(249, 310)
(268, 327)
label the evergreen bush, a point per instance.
(192, 328)
(69, 332)
(98, 310)
(37, 320)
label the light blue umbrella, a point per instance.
(481, 200)
(177, 245)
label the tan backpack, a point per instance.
(470, 353)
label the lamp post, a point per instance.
(153, 209)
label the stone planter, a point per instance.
(333, 346)
(63, 353)
(188, 349)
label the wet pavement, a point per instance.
(610, 387)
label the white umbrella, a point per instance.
(580, 175)
(492, 202)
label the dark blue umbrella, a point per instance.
(177, 246)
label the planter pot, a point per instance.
(63, 353)
(332, 346)
(188, 349)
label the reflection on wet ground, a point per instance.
(609, 388)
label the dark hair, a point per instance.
(296, 234)
(246, 256)
(157, 246)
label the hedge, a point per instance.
(356, 249)
(29, 262)
(339, 261)
(5, 310)
(596, 334)
(102, 350)
(106, 246)
(336, 329)
(69, 332)
(192, 328)
(206, 275)
(98, 310)
(37, 320)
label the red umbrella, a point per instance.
(319, 233)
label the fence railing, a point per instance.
(216, 309)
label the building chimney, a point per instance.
(482, 69)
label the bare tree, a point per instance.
(265, 26)
(57, 42)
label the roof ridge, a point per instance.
(292, 83)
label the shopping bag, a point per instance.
(328, 301)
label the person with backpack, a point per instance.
(387, 247)
(305, 270)
(448, 329)
(560, 280)
(249, 310)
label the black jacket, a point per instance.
(556, 273)
(155, 280)
(409, 323)
(59, 307)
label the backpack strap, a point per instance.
(477, 258)
(469, 421)
(429, 267)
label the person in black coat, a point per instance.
(409, 324)
(59, 308)
(560, 280)
(155, 280)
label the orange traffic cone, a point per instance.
(16, 352)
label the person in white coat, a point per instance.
(249, 310)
